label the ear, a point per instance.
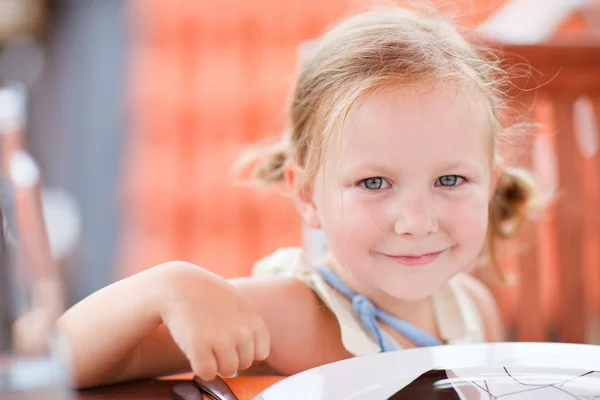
(302, 195)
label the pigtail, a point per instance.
(517, 194)
(266, 163)
(271, 168)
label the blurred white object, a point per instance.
(529, 21)
(586, 126)
(24, 170)
(63, 221)
(12, 107)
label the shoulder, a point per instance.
(484, 300)
(279, 296)
(304, 333)
(288, 261)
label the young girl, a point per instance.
(391, 151)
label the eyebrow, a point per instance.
(370, 166)
(459, 164)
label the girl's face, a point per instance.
(404, 201)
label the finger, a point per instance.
(245, 350)
(262, 342)
(204, 363)
(227, 358)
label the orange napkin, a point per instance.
(247, 387)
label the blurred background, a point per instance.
(138, 109)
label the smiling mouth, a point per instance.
(415, 260)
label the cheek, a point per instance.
(467, 222)
(352, 228)
(355, 220)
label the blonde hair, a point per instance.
(376, 49)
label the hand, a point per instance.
(214, 325)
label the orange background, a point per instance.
(206, 78)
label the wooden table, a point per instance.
(147, 389)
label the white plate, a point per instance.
(380, 376)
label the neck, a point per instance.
(417, 312)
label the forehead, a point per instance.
(416, 125)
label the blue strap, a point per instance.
(369, 313)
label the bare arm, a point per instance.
(104, 331)
(173, 317)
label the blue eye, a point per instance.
(375, 183)
(449, 180)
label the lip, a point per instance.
(415, 260)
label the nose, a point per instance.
(416, 216)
